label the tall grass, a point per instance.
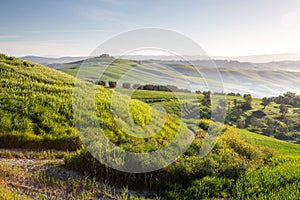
(230, 158)
(35, 107)
(279, 180)
(36, 112)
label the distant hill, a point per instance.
(284, 62)
(268, 58)
(270, 79)
(291, 66)
(48, 60)
(253, 58)
(259, 79)
(36, 110)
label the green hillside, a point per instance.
(36, 111)
(35, 106)
(183, 75)
(279, 146)
(265, 120)
(237, 167)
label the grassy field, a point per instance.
(35, 107)
(279, 146)
(6, 194)
(177, 102)
(36, 113)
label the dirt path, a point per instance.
(48, 179)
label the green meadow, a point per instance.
(36, 113)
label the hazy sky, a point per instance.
(221, 27)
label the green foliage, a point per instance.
(35, 113)
(280, 180)
(278, 146)
(206, 101)
(277, 118)
(265, 102)
(6, 194)
(283, 109)
(248, 101)
(28, 140)
(204, 124)
(35, 107)
(288, 98)
(210, 187)
(230, 158)
(207, 187)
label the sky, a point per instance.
(221, 27)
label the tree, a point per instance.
(136, 86)
(236, 111)
(270, 130)
(283, 110)
(265, 102)
(240, 123)
(105, 55)
(231, 94)
(101, 83)
(296, 101)
(255, 122)
(220, 112)
(281, 132)
(206, 101)
(126, 85)
(248, 101)
(234, 102)
(289, 95)
(112, 84)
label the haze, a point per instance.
(222, 28)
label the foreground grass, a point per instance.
(279, 180)
(230, 158)
(242, 165)
(30, 154)
(48, 179)
(6, 194)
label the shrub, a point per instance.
(210, 187)
(280, 180)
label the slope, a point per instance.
(35, 106)
(36, 111)
(259, 80)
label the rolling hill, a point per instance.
(260, 80)
(266, 58)
(35, 106)
(36, 111)
(47, 60)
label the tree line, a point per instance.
(165, 88)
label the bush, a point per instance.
(230, 158)
(280, 180)
(210, 187)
